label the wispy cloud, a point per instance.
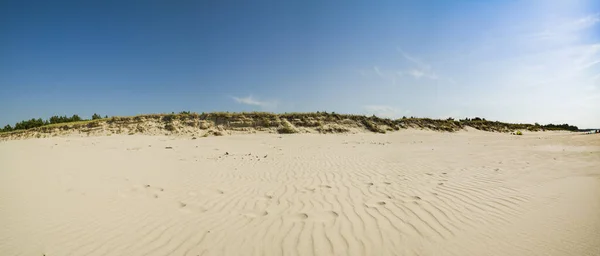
(378, 72)
(412, 59)
(551, 73)
(554, 75)
(385, 111)
(251, 101)
(575, 59)
(420, 69)
(420, 73)
(567, 31)
(585, 22)
(389, 76)
(416, 73)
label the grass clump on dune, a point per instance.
(371, 126)
(286, 127)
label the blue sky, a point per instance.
(517, 61)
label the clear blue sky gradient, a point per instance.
(518, 62)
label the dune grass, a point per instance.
(289, 122)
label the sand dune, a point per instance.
(411, 192)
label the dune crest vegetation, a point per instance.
(223, 123)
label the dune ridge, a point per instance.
(222, 123)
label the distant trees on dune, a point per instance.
(476, 122)
(560, 127)
(24, 125)
(6, 128)
(33, 123)
(64, 119)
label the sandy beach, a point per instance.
(412, 192)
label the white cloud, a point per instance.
(585, 22)
(412, 59)
(385, 75)
(419, 73)
(416, 73)
(568, 31)
(385, 111)
(504, 73)
(420, 69)
(378, 72)
(250, 100)
(551, 75)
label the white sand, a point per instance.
(405, 193)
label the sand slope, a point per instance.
(405, 193)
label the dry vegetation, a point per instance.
(222, 123)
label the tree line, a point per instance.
(552, 127)
(561, 127)
(33, 123)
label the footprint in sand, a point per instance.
(190, 207)
(375, 204)
(256, 214)
(141, 190)
(324, 216)
(153, 192)
(299, 217)
(266, 197)
(312, 190)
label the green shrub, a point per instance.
(168, 118)
(519, 133)
(286, 130)
(371, 126)
(93, 124)
(170, 127)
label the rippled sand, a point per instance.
(405, 193)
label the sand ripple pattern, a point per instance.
(405, 193)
